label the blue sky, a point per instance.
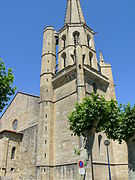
(21, 30)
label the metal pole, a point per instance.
(107, 143)
(108, 163)
(92, 169)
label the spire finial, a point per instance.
(74, 12)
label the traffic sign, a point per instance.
(81, 164)
(82, 171)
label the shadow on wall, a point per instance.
(131, 155)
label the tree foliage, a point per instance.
(6, 81)
(118, 122)
(93, 112)
(122, 127)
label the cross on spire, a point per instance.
(74, 12)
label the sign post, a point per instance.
(81, 168)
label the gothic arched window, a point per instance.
(15, 124)
(64, 41)
(83, 58)
(56, 48)
(89, 40)
(99, 143)
(90, 58)
(64, 59)
(13, 153)
(76, 35)
(94, 88)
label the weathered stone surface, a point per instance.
(44, 146)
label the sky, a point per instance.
(21, 32)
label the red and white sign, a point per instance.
(81, 164)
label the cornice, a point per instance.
(95, 73)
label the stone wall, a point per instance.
(24, 108)
(64, 143)
(27, 164)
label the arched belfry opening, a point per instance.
(76, 35)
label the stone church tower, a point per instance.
(35, 140)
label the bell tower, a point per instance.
(69, 72)
(75, 31)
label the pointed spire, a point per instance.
(101, 58)
(74, 12)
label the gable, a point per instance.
(24, 109)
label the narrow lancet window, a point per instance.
(64, 41)
(89, 40)
(83, 59)
(15, 124)
(63, 59)
(99, 68)
(90, 58)
(99, 143)
(57, 43)
(94, 88)
(13, 153)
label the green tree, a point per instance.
(6, 81)
(89, 117)
(123, 128)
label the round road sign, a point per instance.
(81, 164)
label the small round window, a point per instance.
(15, 124)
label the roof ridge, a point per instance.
(78, 10)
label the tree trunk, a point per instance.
(131, 158)
(86, 151)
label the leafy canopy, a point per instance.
(6, 81)
(93, 112)
(122, 127)
(118, 122)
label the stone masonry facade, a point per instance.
(35, 140)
